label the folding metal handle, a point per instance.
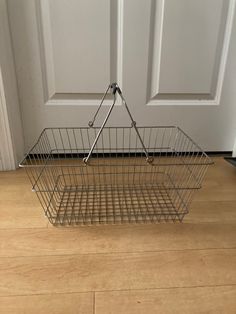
(115, 89)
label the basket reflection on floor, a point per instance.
(117, 185)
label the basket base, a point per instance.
(116, 205)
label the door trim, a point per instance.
(7, 157)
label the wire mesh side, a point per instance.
(117, 185)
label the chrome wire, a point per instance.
(118, 185)
(134, 174)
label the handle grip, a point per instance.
(115, 89)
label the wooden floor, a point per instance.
(165, 268)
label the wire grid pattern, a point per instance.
(117, 185)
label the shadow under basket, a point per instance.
(118, 184)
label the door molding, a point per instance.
(7, 158)
(11, 133)
(234, 149)
(46, 55)
(47, 62)
(222, 63)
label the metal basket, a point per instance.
(113, 175)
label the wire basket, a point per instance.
(113, 175)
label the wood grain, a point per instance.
(52, 303)
(99, 272)
(220, 212)
(219, 183)
(115, 239)
(19, 207)
(210, 300)
(162, 268)
(21, 214)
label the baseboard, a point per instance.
(231, 160)
(219, 153)
(119, 154)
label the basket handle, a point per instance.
(115, 89)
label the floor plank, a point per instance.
(21, 213)
(219, 183)
(19, 207)
(52, 303)
(99, 272)
(57, 269)
(209, 300)
(212, 212)
(216, 191)
(111, 239)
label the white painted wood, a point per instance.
(227, 10)
(225, 49)
(70, 45)
(158, 21)
(46, 48)
(136, 42)
(120, 35)
(234, 149)
(189, 45)
(34, 84)
(134, 46)
(11, 134)
(80, 34)
(7, 157)
(212, 126)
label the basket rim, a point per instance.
(208, 160)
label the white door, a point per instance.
(168, 56)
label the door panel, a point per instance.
(80, 36)
(161, 53)
(191, 32)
